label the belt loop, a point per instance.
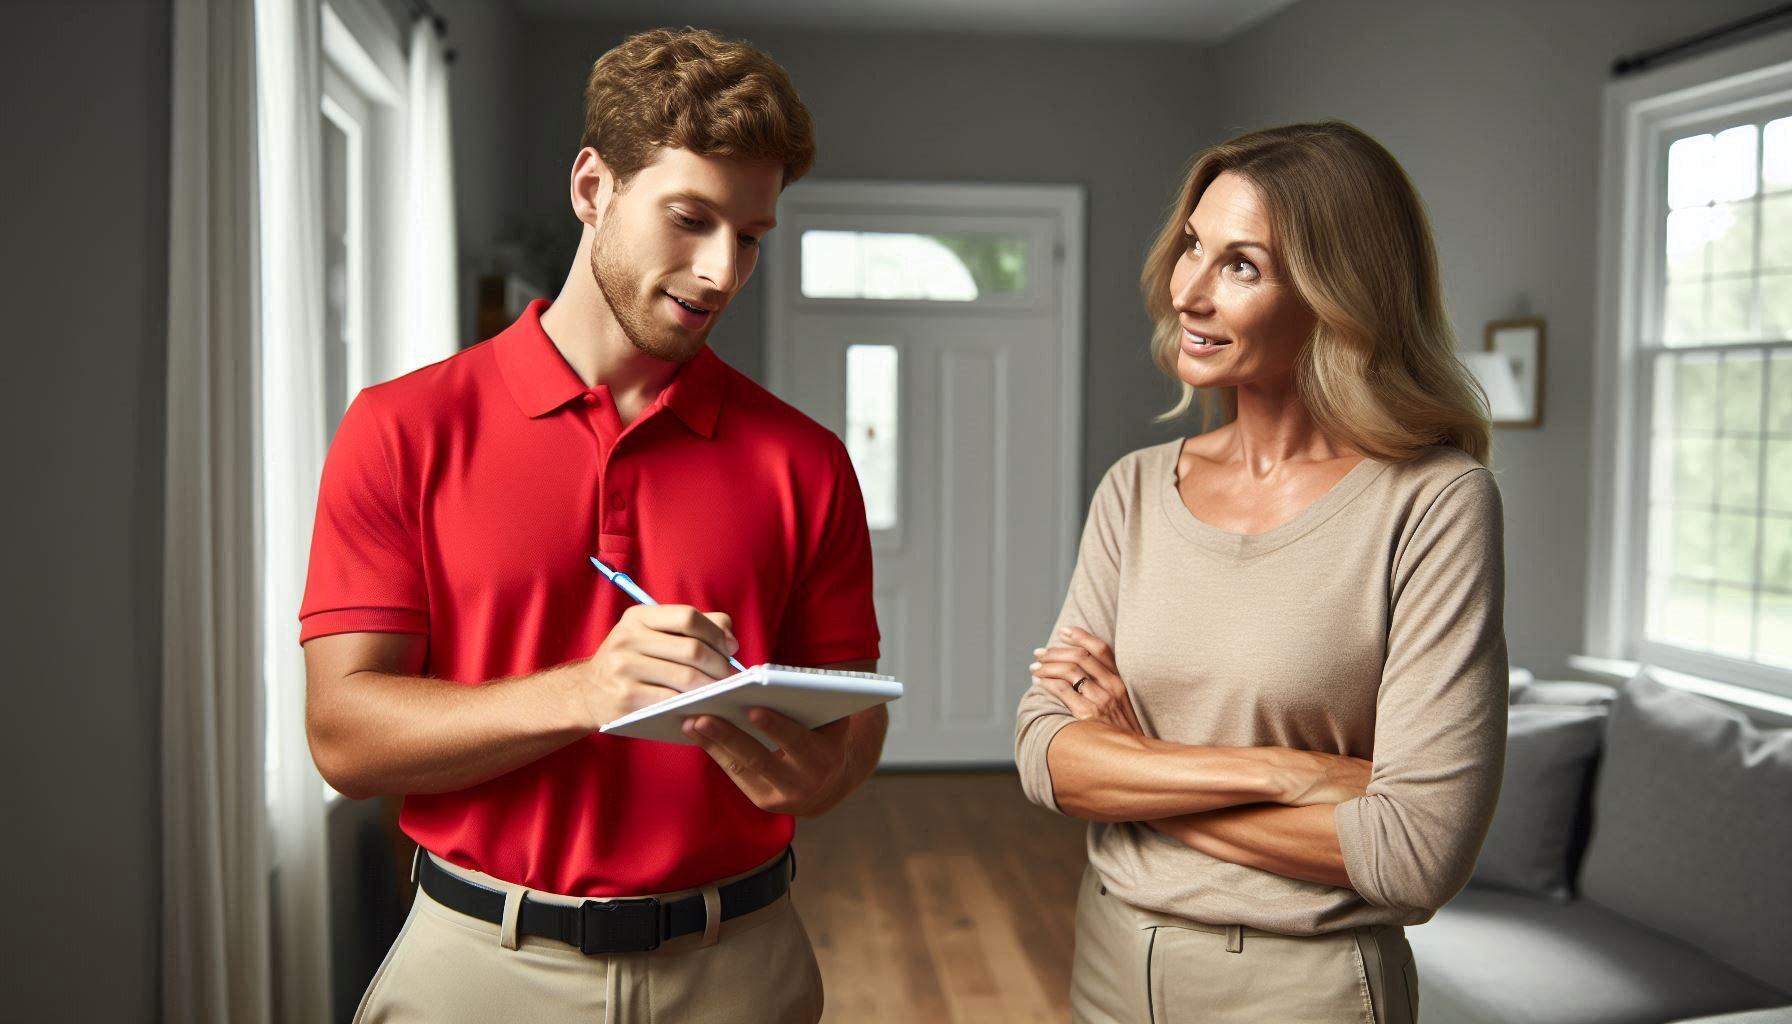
(1234, 938)
(513, 906)
(416, 858)
(712, 915)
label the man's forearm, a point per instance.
(381, 734)
(1295, 842)
(1102, 773)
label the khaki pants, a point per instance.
(448, 967)
(1138, 967)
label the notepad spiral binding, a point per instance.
(821, 671)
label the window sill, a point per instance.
(1618, 670)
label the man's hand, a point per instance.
(655, 651)
(807, 775)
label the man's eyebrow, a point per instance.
(714, 207)
(1243, 243)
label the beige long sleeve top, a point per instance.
(1369, 625)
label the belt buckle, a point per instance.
(619, 926)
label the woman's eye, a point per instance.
(683, 221)
(748, 241)
(1190, 242)
(1245, 269)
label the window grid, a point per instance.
(1683, 360)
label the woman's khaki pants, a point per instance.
(448, 967)
(1137, 967)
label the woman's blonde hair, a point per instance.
(1379, 372)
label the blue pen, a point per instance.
(633, 589)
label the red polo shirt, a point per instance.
(460, 503)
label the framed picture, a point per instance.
(1510, 370)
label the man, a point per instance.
(462, 651)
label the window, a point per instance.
(898, 265)
(1697, 573)
(871, 440)
(358, 144)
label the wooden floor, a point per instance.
(941, 897)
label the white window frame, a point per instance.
(363, 71)
(1640, 114)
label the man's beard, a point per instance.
(622, 291)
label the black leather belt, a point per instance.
(609, 926)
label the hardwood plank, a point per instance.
(941, 897)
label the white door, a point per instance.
(938, 329)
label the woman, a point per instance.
(1261, 610)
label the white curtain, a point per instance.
(215, 857)
(290, 60)
(429, 277)
(244, 924)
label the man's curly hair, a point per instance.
(697, 91)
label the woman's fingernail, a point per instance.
(1034, 667)
(1067, 632)
(1038, 652)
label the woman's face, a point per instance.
(1242, 322)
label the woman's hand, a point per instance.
(1081, 674)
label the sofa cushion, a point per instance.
(1691, 827)
(1777, 1015)
(1492, 957)
(1566, 693)
(1540, 825)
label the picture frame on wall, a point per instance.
(1510, 371)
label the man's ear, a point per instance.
(592, 185)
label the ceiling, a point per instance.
(1194, 21)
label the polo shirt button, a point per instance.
(618, 502)
(588, 398)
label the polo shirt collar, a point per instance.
(541, 381)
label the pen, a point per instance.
(633, 589)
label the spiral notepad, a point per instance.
(811, 696)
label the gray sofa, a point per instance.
(1638, 871)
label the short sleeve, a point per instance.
(366, 568)
(831, 617)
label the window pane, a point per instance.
(1695, 472)
(1776, 154)
(1688, 242)
(1732, 621)
(1776, 232)
(1735, 548)
(1741, 393)
(1690, 180)
(1683, 312)
(889, 265)
(1779, 396)
(1776, 306)
(1775, 637)
(1776, 552)
(1679, 612)
(1732, 234)
(1779, 475)
(1739, 473)
(871, 402)
(1734, 156)
(1695, 394)
(1727, 316)
(1692, 541)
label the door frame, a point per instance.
(1064, 204)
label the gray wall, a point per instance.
(1495, 110)
(86, 179)
(1113, 117)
